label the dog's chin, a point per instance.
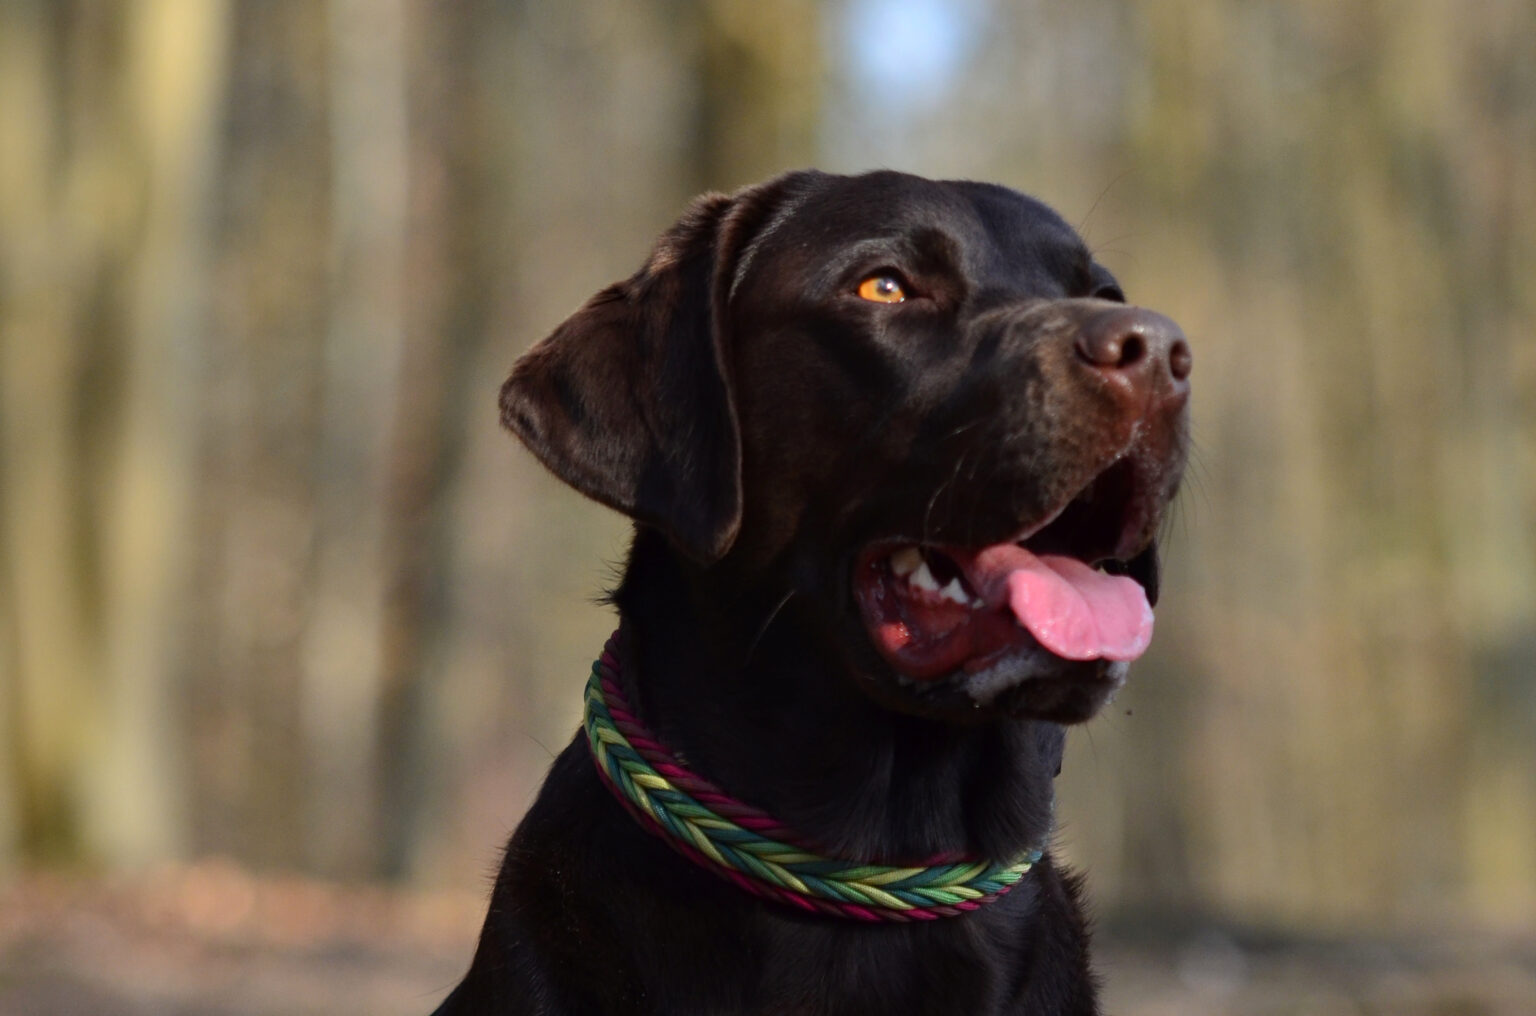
(1034, 684)
(1026, 683)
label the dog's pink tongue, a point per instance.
(1072, 610)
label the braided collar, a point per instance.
(747, 847)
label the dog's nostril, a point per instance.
(1180, 360)
(1111, 349)
(1137, 347)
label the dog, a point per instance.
(897, 452)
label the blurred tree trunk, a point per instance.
(174, 78)
(107, 194)
(759, 85)
(256, 520)
(426, 416)
(344, 639)
(49, 280)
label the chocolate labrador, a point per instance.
(897, 452)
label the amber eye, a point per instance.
(881, 289)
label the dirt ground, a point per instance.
(211, 940)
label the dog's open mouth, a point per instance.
(934, 609)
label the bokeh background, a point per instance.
(289, 630)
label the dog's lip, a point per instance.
(933, 611)
(925, 633)
(1132, 540)
(1113, 515)
(971, 606)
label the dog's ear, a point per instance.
(630, 400)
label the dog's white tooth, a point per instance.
(923, 579)
(954, 593)
(906, 561)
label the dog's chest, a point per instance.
(795, 968)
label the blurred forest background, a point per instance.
(278, 600)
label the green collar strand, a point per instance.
(747, 847)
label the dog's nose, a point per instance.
(1138, 350)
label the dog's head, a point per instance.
(921, 408)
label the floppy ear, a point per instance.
(629, 401)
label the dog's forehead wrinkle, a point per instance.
(787, 209)
(849, 212)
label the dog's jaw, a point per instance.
(1013, 669)
(1066, 598)
(1019, 684)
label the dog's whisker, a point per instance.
(1200, 472)
(752, 647)
(1082, 226)
(976, 503)
(927, 529)
(963, 428)
(1093, 746)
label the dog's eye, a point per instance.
(882, 289)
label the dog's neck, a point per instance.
(766, 710)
